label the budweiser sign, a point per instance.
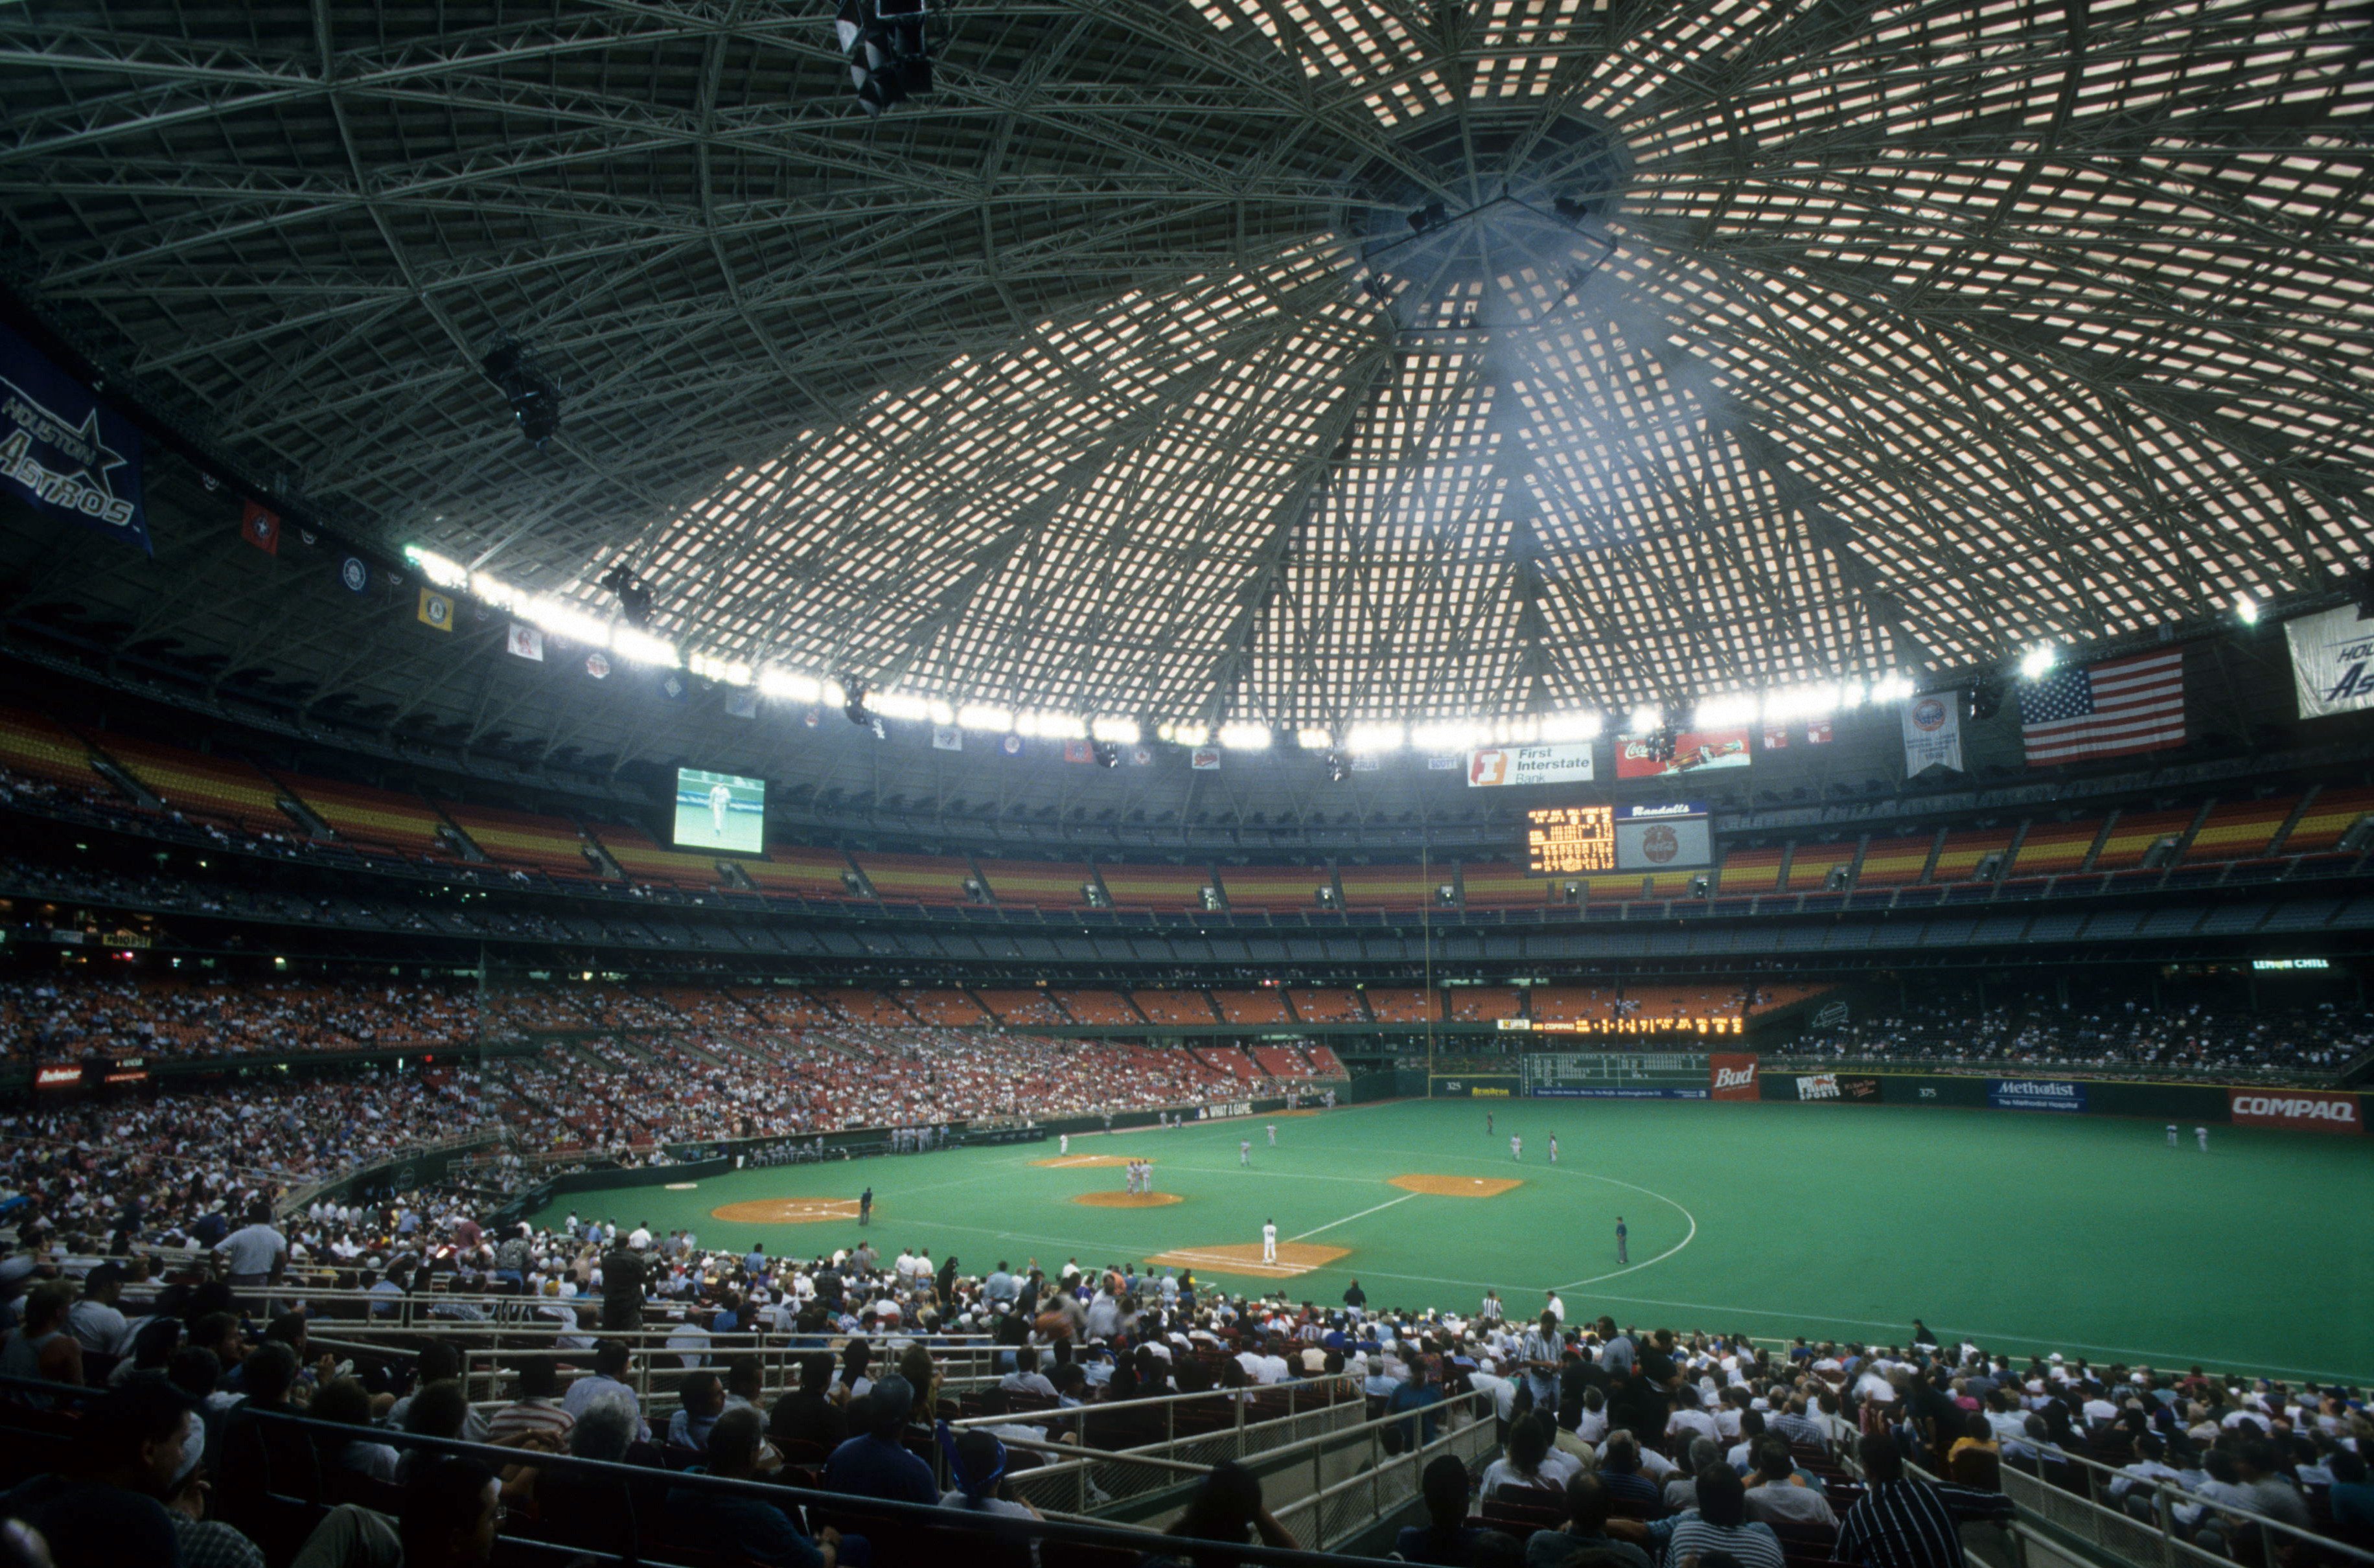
(1731, 1076)
(2305, 1110)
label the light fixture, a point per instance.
(1314, 739)
(1245, 736)
(2245, 609)
(2038, 661)
(889, 58)
(634, 596)
(1371, 737)
(534, 398)
(1985, 696)
(1337, 769)
(1647, 717)
(853, 701)
(1433, 214)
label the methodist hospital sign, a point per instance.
(2302, 1110)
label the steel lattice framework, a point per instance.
(1756, 340)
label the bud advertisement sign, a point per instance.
(1695, 751)
(1731, 1076)
(2333, 662)
(2301, 1110)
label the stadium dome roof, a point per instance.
(1261, 359)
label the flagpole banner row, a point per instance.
(63, 452)
(2333, 662)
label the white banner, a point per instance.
(1560, 762)
(2333, 662)
(1933, 733)
(525, 642)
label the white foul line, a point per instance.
(1349, 1218)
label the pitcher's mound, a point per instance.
(1293, 1258)
(1128, 1200)
(1089, 1162)
(787, 1211)
(1456, 1186)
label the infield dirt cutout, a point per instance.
(1128, 1200)
(1090, 1162)
(786, 1210)
(1293, 1258)
(1456, 1186)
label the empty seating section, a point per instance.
(1325, 1063)
(807, 873)
(1959, 857)
(373, 818)
(1392, 1006)
(1169, 889)
(1611, 887)
(1672, 884)
(1250, 1006)
(2327, 817)
(1896, 861)
(220, 788)
(1230, 1060)
(35, 747)
(1810, 864)
(1037, 884)
(914, 878)
(1682, 1001)
(951, 1007)
(865, 1007)
(1323, 1006)
(1278, 889)
(534, 844)
(2133, 835)
(2238, 829)
(1175, 1007)
(1749, 871)
(1387, 886)
(1477, 1004)
(1279, 1062)
(1497, 884)
(1767, 997)
(643, 860)
(2053, 848)
(1022, 1007)
(1572, 1001)
(1098, 1007)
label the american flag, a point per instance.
(2112, 709)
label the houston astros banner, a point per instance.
(2333, 662)
(1933, 734)
(62, 453)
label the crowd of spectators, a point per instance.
(1612, 1446)
(2192, 1036)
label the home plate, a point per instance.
(1293, 1258)
(1091, 1162)
(1456, 1186)
(787, 1211)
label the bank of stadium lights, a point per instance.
(2039, 661)
(545, 612)
(1246, 736)
(1783, 705)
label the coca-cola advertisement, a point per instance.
(1731, 1076)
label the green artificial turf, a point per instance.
(2023, 1232)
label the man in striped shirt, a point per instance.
(535, 1410)
(1718, 1524)
(1905, 1521)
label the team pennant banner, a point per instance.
(259, 527)
(525, 642)
(436, 609)
(63, 452)
(2333, 662)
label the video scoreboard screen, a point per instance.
(720, 812)
(1562, 841)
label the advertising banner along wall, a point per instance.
(1835, 1086)
(1732, 1075)
(2301, 1110)
(1694, 752)
(2035, 1094)
(1555, 763)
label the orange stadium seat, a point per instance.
(222, 789)
(1498, 884)
(1278, 889)
(1038, 884)
(1098, 1007)
(1389, 887)
(1392, 1006)
(35, 747)
(2238, 829)
(374, 819)
(1231, 1061)
(1169, 889)
(1325, 1063)
(1958, 857)
(643, 860)
(943, 1006)
(1810, 864)
(1480, 1004)
(1324, 1007)
(804, 872)
(1896, 861)
(2053, 848)
(1749, 871)
(1021, 1006)
(1571, 1001)
(915, 878)
(536, 843)
(1252, 1007)
(1175, 1007)
(1279, 1062)
(2132, 836)
(2327, 817)
(865, 1006)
